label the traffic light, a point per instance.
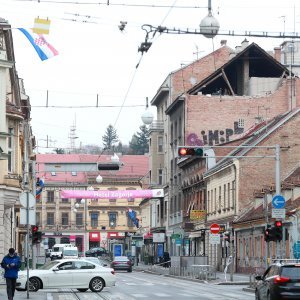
(202, 237)
(227, 236)
(36, 235)
(269, 234)
(108, 166)
(190, 151)
(278, 230)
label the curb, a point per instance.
(248, 289)
(196, 280)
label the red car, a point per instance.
(121, 263)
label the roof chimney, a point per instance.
(277, 53)
(245, 43)
(223, 42)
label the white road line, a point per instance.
(139, 295)
(162, 295)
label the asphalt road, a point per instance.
(143, 286)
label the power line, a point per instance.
(80, 106)
(108, 3)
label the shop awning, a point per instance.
(94, 236)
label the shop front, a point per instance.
(94, 239)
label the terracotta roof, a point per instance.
(258, 213)
(134, 166)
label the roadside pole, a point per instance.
(278, 191)
(266, 227)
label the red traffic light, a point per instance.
(278, 223)
(34, 228)
(191, 151)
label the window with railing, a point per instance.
(79, 219)
(65, 200)
(112, 218)
(94, 219)
(160, 144)
(50, 196)
(50, 218)
(10, 150)
(64, 219)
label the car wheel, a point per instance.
(34, 284)
(268, 296)
(82, 290)
(96, 284)
(257, 295)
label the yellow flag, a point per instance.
(41, 26)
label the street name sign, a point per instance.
(278, 201)
(214, 228)
(278, 213)
(214, 239)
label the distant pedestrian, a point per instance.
(166, 259)
(11, 263)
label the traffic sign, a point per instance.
(23, 200)
(278, 201)
(214, 228)
(214, 239)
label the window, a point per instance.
(208, 201)
(233, 194)
(160, 144)
(53, 173)
(160, 176)
(38, 218)
(65, 200)
(112, 218)
(74, 173)
(50, 218)
(129, 222)
(66, 266)
(224, 196)
(64, 219)
(79, 219)
(220, 203)
(10, 150)
(50, 196)
(228, 195)
(94, 219)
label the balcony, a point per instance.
(156, 126)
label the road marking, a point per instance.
(162, 295)
(139, 296)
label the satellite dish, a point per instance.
(211, 159)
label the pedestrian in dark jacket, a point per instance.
(11, 263)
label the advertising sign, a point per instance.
(197, 214)
(158, 237)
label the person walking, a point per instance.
(11, 263)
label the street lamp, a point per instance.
(209, 26)
(147, 116)
(99, 179)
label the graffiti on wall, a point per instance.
(214, 137)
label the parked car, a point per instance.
(78, 274)
(97, 260)
(97, 251)
(122, 263)
(280, 281)
(48, 252)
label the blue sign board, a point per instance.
(278, 201)
(296, 250)
(118, 249)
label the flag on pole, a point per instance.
(40, 183)
(41, 26)
(132, 216)
(39, 43)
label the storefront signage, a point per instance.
(158, 237)
(197, 214)
(118, 194)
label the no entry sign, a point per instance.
(214, 228)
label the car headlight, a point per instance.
(21, 276)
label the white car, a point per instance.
(79, 274)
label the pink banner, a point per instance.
(118, 194)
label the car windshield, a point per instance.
(48, 265)
(292, 272)
(56, 249)
(71, 252)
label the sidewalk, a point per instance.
(23, 295)
(238, 278)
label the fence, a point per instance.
(201, 272)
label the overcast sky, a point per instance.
(95, 57)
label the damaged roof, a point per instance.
(226, 78)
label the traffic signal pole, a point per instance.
(278, 191)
